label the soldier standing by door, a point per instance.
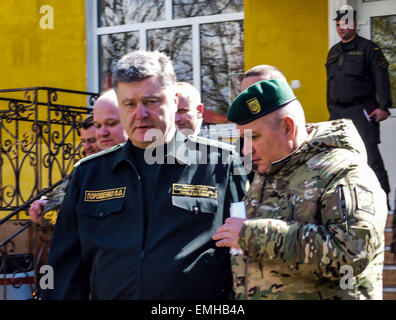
(358, 87)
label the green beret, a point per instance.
(259, 99)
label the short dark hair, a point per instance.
(266, 71)
(88, 122)
(139, 65)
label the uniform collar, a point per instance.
(292, 157)
(277, 165)
(351, 45)
(176, 149)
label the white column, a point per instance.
(92, 46)
(196, 56)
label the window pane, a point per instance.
(119, 12)
(177, 44)
(222, 63)
(193, 8)
(111, 48)
(383, 31)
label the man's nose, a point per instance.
(103, 131)
(247, 147)
(141, 111)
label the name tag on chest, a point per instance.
(102, 195)
(191, 190)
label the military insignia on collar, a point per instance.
(364, 200)
(102, 195)
(191, 190)
(254, 105)
(382, 63)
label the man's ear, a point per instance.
(200, 109)
(289, 127)
(176, 100)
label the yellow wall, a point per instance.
(293, 36)
(31, 56)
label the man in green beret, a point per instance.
(315, 210)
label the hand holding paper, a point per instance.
(228, 233)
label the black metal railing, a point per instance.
(39, 144)
(12, 264)
(39, 139)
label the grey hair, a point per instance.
(140, 65)
(267, 72)
(293, 110)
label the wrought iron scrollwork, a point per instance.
(39, 139)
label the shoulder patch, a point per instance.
(364, 199)
(382, 62)
(211, 142)
(98, 154)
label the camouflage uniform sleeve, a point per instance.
(319, 250)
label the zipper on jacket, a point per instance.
(342, 208)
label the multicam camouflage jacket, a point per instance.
(316, 220)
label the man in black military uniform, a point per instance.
(358, 87)
(137, 220)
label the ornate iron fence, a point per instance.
(39, 144)
(39, 139)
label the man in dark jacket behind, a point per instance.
(358, 87)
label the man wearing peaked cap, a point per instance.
(315, 210)
(358, 86)
(346, 12)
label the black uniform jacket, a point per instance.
(97, 246)
(356, 73)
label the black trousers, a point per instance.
(370, 134)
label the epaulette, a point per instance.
(212, 142)
(99, 154)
